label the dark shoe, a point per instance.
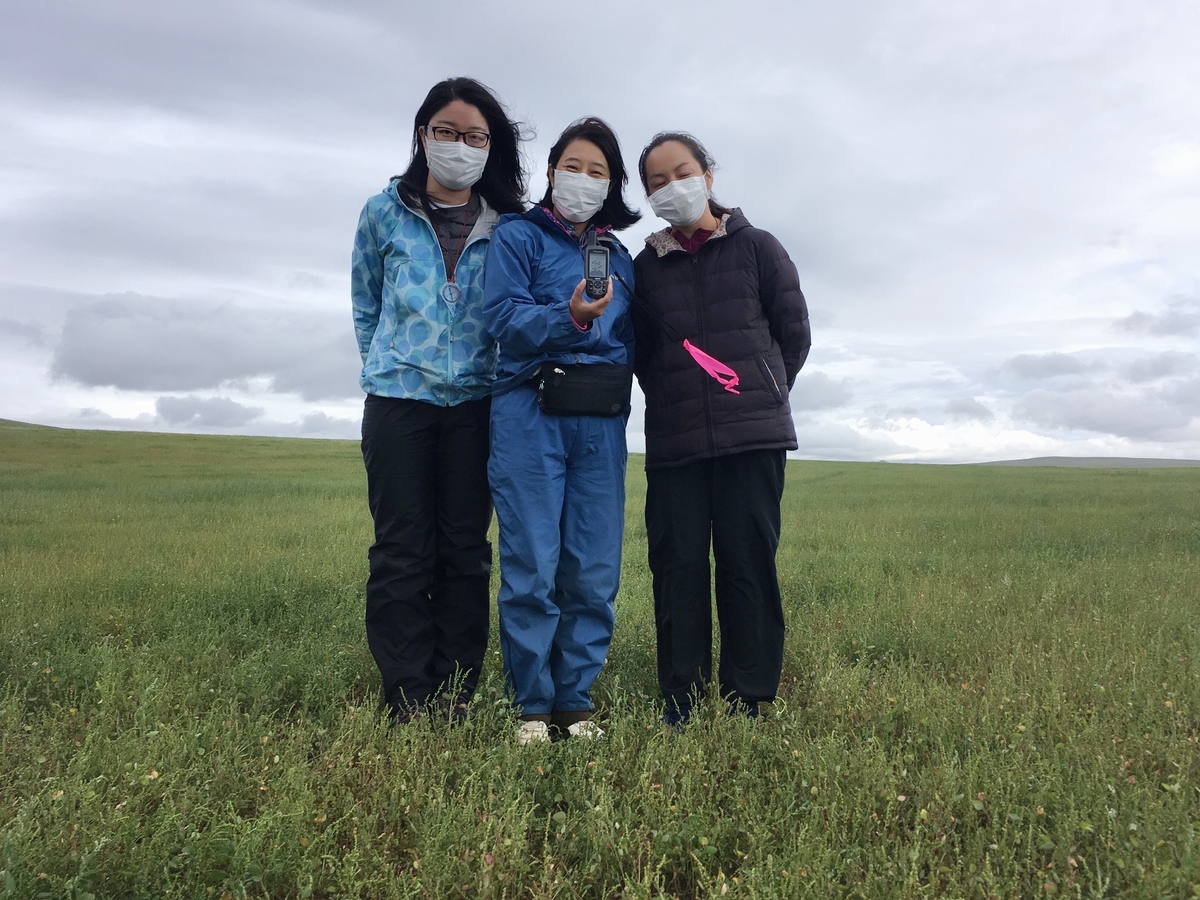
(455, 711)
(677, 717)
(459, 713)
(743, 708)
(405, 715)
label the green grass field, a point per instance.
(990, 690)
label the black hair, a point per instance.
(694, 147)
(615, 213)
(502, 184)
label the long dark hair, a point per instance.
(694, 147)
(615, 213)
(502, 184)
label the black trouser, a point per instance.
(427, 593)
(734, 502)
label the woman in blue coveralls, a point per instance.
(417, 291)
(558, 480)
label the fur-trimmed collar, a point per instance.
(664, 242)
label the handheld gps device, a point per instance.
(595, 265)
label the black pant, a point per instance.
(427, 593)
(734, 502)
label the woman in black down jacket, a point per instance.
(718, 427)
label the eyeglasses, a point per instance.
(477, 139)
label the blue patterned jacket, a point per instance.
(414, 343)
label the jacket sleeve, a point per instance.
(783, 304)
(366, 281)
(643, 328)
(521, 325)
(628, 336)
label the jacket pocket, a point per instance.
(769, 378)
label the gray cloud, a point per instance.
(1160, 365)
(93, 417)
(945, 173)
(1045, 365)
(820, 439)
(1185, 395)
(1181, 318)
(34, 309)
(199, 412)
(32, 335)
(190, 414)
(816, 390)
(144, 343)
(1136, 416)
(190, 57)
(319, 424)
(883, 415)
(968, 408)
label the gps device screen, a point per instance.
(597, 263)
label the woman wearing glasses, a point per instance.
(716, 433)
(559, 407)
(417, 291)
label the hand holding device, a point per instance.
(596, 284)
(584, 310)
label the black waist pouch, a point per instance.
(578, 390)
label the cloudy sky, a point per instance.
(994, 207)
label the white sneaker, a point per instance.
(533, 733)
(587, 729)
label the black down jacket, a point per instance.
(738, 299)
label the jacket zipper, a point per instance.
(767, 365)
(437, 296)
(698, 280)
(449, 314)
(439, 302)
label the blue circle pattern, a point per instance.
(419, 331)
(434, 353)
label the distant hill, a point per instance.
(1074, 462)
(1097, 462)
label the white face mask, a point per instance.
(454, 164)
(681, 202)
(577, 196)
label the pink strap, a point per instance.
(714, 367)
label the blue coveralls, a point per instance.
(558, 482)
